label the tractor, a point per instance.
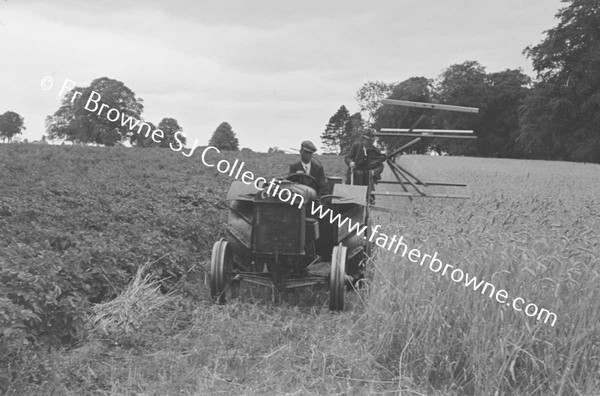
(272, 243)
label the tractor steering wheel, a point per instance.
(305, 179)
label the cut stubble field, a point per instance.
(79, 221)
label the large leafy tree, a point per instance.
(141, 140)
(170, 127)
(461, 84)
(498, 97)
(369, 96)
(73, 122)
(224, 138)
(11, 124)
(499, 124)
(415, 89)
(561, 116)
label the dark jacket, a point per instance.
(365, 163)
(316, 171)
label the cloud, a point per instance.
(275, 70)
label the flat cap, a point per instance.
(307, 145)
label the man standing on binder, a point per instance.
(362, 161)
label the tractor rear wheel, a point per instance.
(221, 271)
(337, 280)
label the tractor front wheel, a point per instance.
(337, 287)
(221, 271)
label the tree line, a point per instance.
(74, 123)
(556, 116)
(11, 125)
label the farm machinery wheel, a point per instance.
(221, 272)
(337, 280)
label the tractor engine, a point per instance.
(283, 235)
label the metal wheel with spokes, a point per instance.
(221, 272)
(337, 288)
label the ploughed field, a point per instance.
(77, 222)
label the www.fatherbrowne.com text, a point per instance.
(393, 243)
(435, 265)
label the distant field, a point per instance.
(76, 223)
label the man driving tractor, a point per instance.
(310, 166)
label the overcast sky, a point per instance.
(275, 70)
